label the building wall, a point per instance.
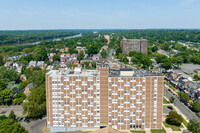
(104, 72)
(124, 97)
(72, 103)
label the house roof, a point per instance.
(30, 86)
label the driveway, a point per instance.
(35, 126)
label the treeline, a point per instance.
(160, 36)
(21, 37)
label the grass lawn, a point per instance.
(185, 122)
(138, 131)
(173, 88)
(158, 131)
(165, 101)
(173, 127)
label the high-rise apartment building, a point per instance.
(89, 99)
(138, 45)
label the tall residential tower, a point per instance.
(89, 99)
(138, 45)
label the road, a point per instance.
(184, 109)
(111, 59)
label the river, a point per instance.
(57, 39)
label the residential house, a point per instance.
(41, 65)
(56, 63)
(23, 77)
(76, 62)
(32, 64)
(8, 64)
(66, 49)
(79, 49)
(74, 57)
(50, 67)
(197, 71)
(103, 60)
(174, 51)
(105, 47)
(193, 89)
(96, 57)
(27, 89)
(62, 65)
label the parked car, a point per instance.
(186, 104)
(170, 107)
(26, 120)
(20, 119)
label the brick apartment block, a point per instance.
(138, 45)
(89, 99)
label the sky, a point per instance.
(99, 14)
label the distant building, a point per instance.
(138, 45)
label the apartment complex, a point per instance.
(90, 99)
(138, 45)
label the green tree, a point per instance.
(167, 64)
(174, 119)
(81, 56)
(56, 58)
(6, 97)
(171, 99)
(184, 97)
(1, 61)
(154, 48)
(177, 60)
(194, 126)
(11, 126)
(23, 84)
(118, 51)
(104, 54)
(3, 84)
(196, 106)
(35, 107)
(37, 77)
(12, 115)
(27, 50)
(125, 59)
(196, 77)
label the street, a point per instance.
(184, 109)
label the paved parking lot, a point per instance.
(5, 110)
(189, 68)
(35, 126)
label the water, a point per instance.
(57, 39)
